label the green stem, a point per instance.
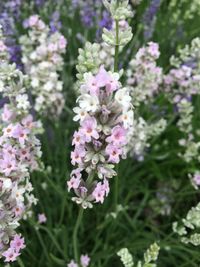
(116, 190)
(116, 46)
(116, 69)
(78, 221)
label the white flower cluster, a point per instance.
(189, 228)
(42, 57)
(19, 155)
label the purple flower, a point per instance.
(55, 23)
(149, 18)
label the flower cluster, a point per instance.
(144, 79)
(91, 13)
(19, 155)
(182, 85)
(84, 262)
(9, 15)
(105, 114)
(188, 230)
(149, 18)
(150, 257)
(142, 132)
(55, 23)
(120, 11)
(42, 58)
(143, 75)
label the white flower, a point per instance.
(81, 114)
(7, 184)
(122, 96)
(89, 103)
(48, 86)
(22, 102)
(127, 118)
(17, 193)
(35, 82)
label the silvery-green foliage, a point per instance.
(187, 53)
(150, 257)
(189, 227)
(186, 109)
(120, 11)
(124, 37)
(136, 2)
(191, 151)
(88, 60)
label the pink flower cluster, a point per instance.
(105, 114)
(19, 155)
(42, 57)
(84, 261)
(144, 76)
(16, 245)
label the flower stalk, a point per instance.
(75, 233)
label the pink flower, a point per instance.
(91, 85)
(78, 139)
(2, 46)
(153, 49)
(196, 179)
(99, 193)
(25, 154)
(18, 210)
(42, 218)
(8, 131)
(28, 121)
(8, 149)
(103, 77)
(72, 264)
(10, 255)
(73, 183)
(114, 153)
(7, 164)
(85, 260)
(52, 47)
(33, 20)
(17, 243)
(118, 136)
(77, 155)
(106, 187)
(88, 128)
(7, 114)
(62, 42)
(20, 133)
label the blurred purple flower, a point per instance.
(55, 23)
(149, 18)
(9, 14)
